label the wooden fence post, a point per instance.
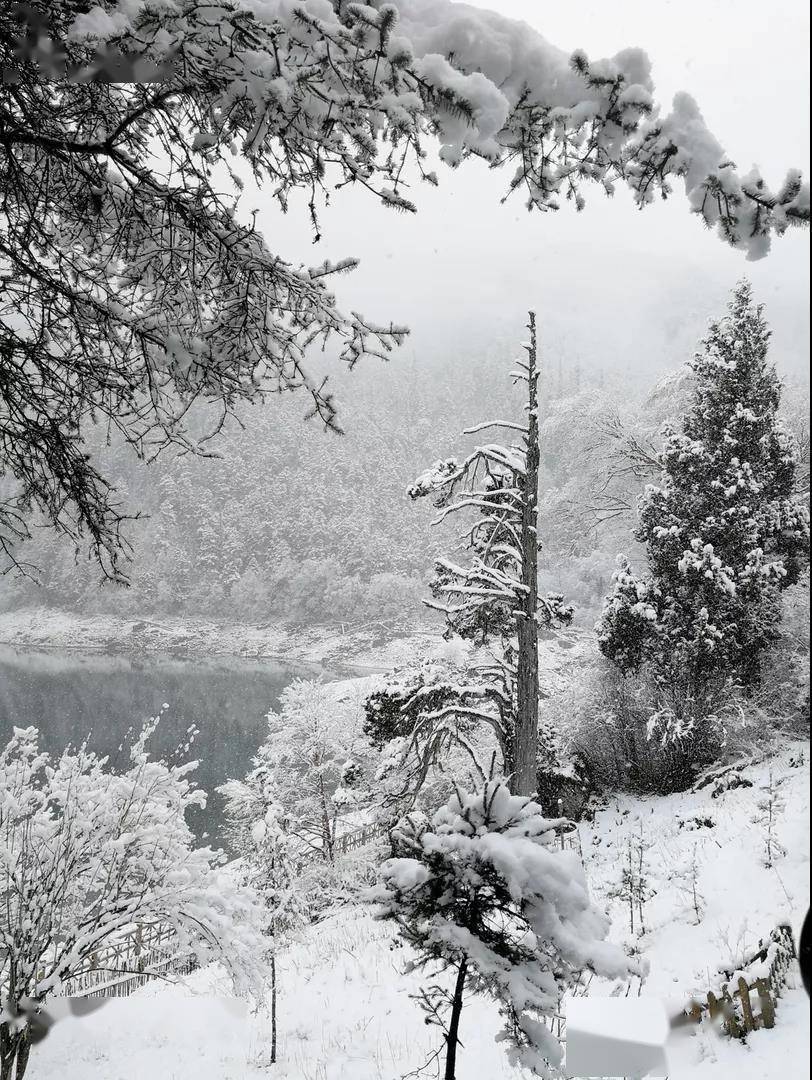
(714, 1008)
(767, 1007)
(732, 1026)
(747, 1009)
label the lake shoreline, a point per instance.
(370, 649)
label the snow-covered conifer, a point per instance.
(482, 892)
(768, 809)
(634, 882)
(686, 878)
(724, 532)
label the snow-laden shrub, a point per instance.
(782, 700)
(482, 892)
(86, 854)
(623, 733)
(312, 775)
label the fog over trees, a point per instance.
(295, 523)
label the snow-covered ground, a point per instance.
(345, 1012)
(357, 648)
(373, 647)
(741, 900)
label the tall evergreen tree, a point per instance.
(724, 533)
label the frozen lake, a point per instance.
(72, 695)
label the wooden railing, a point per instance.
(126, 963)
(358, 838)
(752, 1002)
(145, 953)
(125, 983)
(569, 837)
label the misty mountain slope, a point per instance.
(296, 525)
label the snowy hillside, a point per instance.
(345, 1012)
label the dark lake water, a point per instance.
(72, 695)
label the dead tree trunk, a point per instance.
(527, 671)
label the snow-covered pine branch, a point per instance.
(422, 716)
(508, 424)
(482, 893)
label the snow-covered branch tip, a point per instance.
(481, 83)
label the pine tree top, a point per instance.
(738, 390)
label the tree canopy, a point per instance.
(131, 287)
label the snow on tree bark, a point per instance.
(527, 667)
(492, 601)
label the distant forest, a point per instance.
(291, 523)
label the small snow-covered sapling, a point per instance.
(634, 887)
(477, 894)
(686, 879)
(769, 807)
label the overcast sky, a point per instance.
(614, 286)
